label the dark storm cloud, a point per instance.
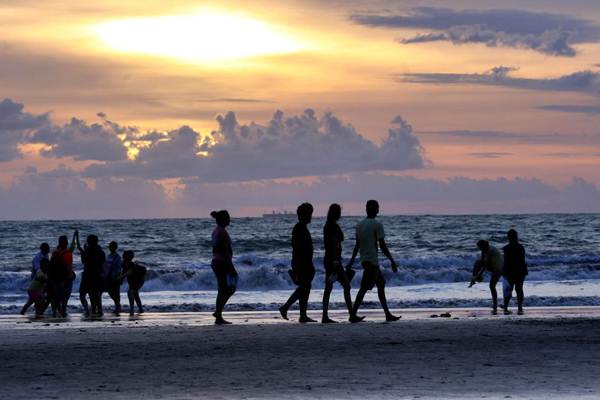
(551, 34)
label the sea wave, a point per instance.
(261, 273)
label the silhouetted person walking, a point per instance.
(222, 264)
(334, 271)
(515, 270)
(370, 237)
(303, 269)
(93, 259)
(492, 261)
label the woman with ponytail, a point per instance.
(222, 264)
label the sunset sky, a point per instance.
(171, 109)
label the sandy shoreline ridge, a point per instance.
(548, 353)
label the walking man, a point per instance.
(370, 238)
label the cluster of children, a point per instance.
(52, 277)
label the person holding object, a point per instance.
(222, 264)
(369, 237)
(515, 270)
(334, 271)
(303, 269)
(491, 260)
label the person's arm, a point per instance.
(386, 252)
(81, 251)
(354, 253)
(74, 240)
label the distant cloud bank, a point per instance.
(550, 34)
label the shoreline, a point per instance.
(373, 315)
(548, 353)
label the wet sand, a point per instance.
(549, 353)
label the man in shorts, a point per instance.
(370, 238)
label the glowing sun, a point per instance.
(204, 36)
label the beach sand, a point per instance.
(549, 353)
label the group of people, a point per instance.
(369, 239)
(509, 264)
(52, 277)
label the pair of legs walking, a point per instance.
(372, 276)
(301, 295)
(222, 271)
(329, 281)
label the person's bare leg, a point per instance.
(303, 300)
(357, 302)
(26, 306)
(283, 310)
(326, 295)
(131, 297)
(382, 299)
(84, 304)
(520, 296)
(493, 282)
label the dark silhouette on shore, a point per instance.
(36, 296)
(111, 276)
(93, 258)
(61, 276)
(222, 264)
(515, 270)
(491, 260)
(370, 235)
(303, 269)
(135, 274)
(334, 271)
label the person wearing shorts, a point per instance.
(369, 239)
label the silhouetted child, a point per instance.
(135, 274)
(36, 290)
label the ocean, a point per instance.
(435, 254)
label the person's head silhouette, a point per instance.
(63, 242)
(45, 248)
(372, 208)
(304, 212)
(513, 236)
(92, 240)
(483, 245)
(222, 217)
(334, 213)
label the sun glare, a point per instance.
(204, 36)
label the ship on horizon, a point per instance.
(279, 214)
